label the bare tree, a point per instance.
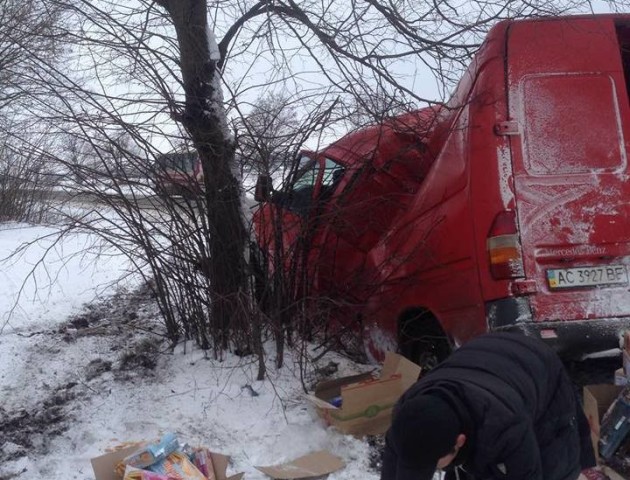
(268, 137)
(203, 116)
(28, 29)
(26, 179)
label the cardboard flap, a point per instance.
(320, 403)
(105, 465)
(220, 464)
(396, 364)
(332, 388)
(359, 396)
(409, 371)
(312, 465)
(390, 364)
(238, 476)
(597, 399)
(611, 473)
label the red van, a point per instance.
(179, 173)
(507, 209)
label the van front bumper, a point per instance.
(570, 338)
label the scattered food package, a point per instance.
(168, 459)
(153, 453)
(132, 473)
(615, 425)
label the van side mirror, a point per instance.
(262, 192)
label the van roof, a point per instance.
(379, 142)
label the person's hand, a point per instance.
(593, 474)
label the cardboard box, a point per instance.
(104, 466)
(366, 402)
(597, 399)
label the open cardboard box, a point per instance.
(367, 402)
(104, 466)
(597, 399)
(313, 465)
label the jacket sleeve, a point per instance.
(390, 460)
(521, 454)
(512, 454)
(587, 454)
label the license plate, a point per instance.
(587, 276)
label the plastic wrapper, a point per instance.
(203, 461)
(336, 401)
(593, 474)
(615, 425)
(152, 453)
(132, 473)
(178, 467)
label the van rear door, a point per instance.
(569, 103)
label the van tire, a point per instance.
(421, 338)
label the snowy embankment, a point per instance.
(76, 380)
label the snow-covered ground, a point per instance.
(75, 270)
(76, 380)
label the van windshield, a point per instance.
(180, 162)
(306, 174)
(332, 172)
(298, 194)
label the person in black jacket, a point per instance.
(500, 407)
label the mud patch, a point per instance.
(28, 427)
(96, 368)
(24, 430)
(133, 361)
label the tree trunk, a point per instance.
(204, 119)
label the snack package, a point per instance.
(153, 453)
(132, 473)
(336, 401)
(178, 467)
(203, 461)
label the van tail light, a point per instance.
(504, 250)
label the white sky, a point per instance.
(252, 71)
(248, 71)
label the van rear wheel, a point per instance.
(422, 340)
